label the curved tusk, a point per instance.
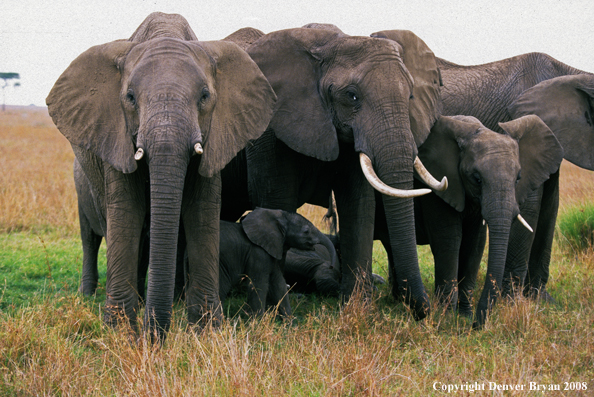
(139, 154)
(381, 187)
(428, 178)
(526, 225)
(198, 148)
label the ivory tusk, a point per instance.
(381, 187)
(428, 178)
(139, 154)
(526, 225)
(198, 148)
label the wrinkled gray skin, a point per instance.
(313, 272)
(489, 175)
(339, 96)
(562, 97)
(161, 91)
(255, 249)
(91, 231)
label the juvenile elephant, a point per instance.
(490, 174)
(152, 120)
(346, 105)
(562, 97)
(313, 271)
(255, 249)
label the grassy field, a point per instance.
(53, 342)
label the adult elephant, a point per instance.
(152, 121)
(489, 175)
(346, 106)
(562, 97)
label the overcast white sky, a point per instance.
(39, 38)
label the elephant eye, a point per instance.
(205, 95)
(353, 96)
(477, 178)
(130, 97)
(519, 177)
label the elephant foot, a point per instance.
(465, 312)
(540, 295)
(511, 286)
(87, 288)
(420, 307)
(377, 279)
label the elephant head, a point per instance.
(162, 98)
(565, 104)
(355, 94)
(277, 231)
(496, 170)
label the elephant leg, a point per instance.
(355, 202)
(381, 234)
(143, 262)
(90, 245)
(200, 216)
(180, 278)
(443, 229)
(520, 244)
(259, 271)
(277, 291)
(471, 253)
(126, 208)
(273, 173)
(445, 255)
(540, 255)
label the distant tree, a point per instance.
(6, 77)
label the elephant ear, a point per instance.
(84, 103)
(265, 228)
(566, 105)
(540, 152)
(244, 37)
(440, 153)
(244, 106)
(425, 104)
(288, 58)
(159, 24)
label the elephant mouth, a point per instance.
(383, 188)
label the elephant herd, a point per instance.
(175, 139)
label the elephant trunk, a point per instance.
(327, 243)
(167, 169)
(499, 224)
(395, 167)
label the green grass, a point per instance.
(33, 266)
(53, 342)
(575, 227)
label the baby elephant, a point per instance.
(312, 271)
(255, 249)
(317, 271)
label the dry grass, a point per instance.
(36, 185)
(57, 344)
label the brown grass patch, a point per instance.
(36, 185)
(59, 346)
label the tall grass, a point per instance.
(36, 183)
(53, 342)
